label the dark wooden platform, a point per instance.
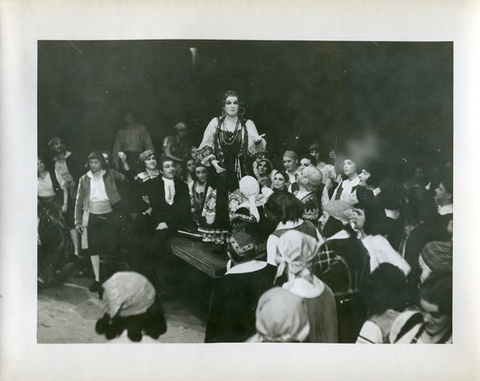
(200, 255)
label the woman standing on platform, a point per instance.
(230, 145)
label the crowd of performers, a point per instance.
(321, 249)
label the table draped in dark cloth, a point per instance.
(235, 152)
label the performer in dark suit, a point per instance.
(170, 202)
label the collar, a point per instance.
(247, 267)
(342, 234)
(446, 209)
(168, 181)
(65, 157)
(145, 175)
(302, 194)
(102, 173)
(393, 214)
(305, 289)
(289, 224)
(353, 182)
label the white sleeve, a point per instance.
(272, 243)
(206, 147)
(386, 253)
(253, 135)
(60, 179)
(370, 334)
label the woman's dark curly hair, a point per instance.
(230, 93)
(283, 207)
(151, 323)
(437, 289)
(386, 289)
(375, 218)
(392, 195)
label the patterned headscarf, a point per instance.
(127, 293)
(291, 154)
(295, 253)
(281, 317)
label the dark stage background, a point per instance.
(399, 95)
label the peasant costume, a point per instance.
(235, 151)
(296, 254)
(249, 228)
(281, 318)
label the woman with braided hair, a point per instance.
(229, 147)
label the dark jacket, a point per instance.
(344, 265)
(83, 193)
(75, 167)
(232, 309)
(177, 215)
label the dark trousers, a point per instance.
(101, 234)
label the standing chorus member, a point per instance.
(97, 196)
(133, 138)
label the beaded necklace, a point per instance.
(225, 139)
(442, 340)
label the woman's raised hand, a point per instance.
(122, 156)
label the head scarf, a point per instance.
(437, 255)
(143, 156)
(249, 186)
(281, 317)
(250, 189)
(312, 175)
(291, 154)
(339, 210)
(295, 253)
(127, 294)
(264, 159)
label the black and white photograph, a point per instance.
(207, 153)
(224, 198)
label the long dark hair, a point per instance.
(437, 289)
(47, 161)
(375, 218)
(386, 289)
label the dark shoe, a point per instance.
(95, 287)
